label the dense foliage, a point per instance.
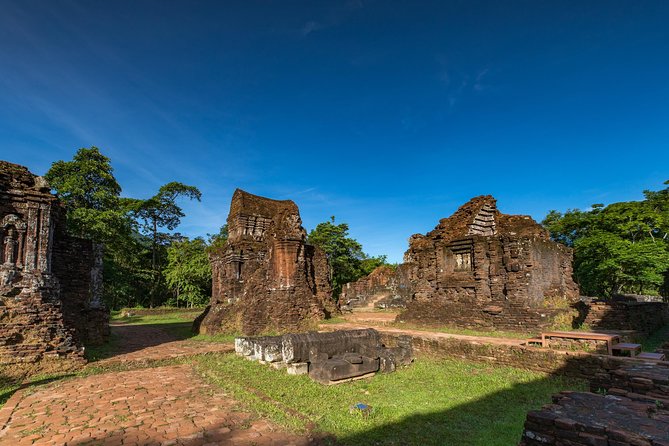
(619, 248)
(136, 251)
(345, 256)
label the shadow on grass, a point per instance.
(9, 386)
(128, 338)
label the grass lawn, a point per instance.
(177, 323)
(431, 402)
(464, 331)
(656, 339)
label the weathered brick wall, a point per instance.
(75, 262)
(481, 268)
(42, 279)
(645, 317)
(385, 287)
(266, 278)
(634, 379)
(568, 363)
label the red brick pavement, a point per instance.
(157, 406)
(152, 406)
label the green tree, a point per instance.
(345, 256)
(217, 241)
(162, 211)
(619, 248)
(188, 272)
(90, 192)
(132, 259)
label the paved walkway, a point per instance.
(158, 406)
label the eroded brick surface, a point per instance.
(482, 268)
(155, 406)
(586, 419)
(385, 287)
(50, 282)
(266, 277)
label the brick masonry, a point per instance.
(266, 278)
(644, 317)
(589, 419)
(482, 268)
(385, 287)
(49, 282)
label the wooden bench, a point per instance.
(649, 355)
(634, 349)
(581, 335)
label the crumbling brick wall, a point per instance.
(266, 277)
(44, 276)
(481, 268)
(385, 287)
(644, 317)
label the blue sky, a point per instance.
(385, 114)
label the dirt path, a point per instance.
(381, 320)
(423, 334)
(151, 342)
(168, 405)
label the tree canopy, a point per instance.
(619, 248)
(129, 228)
(188, 272)
(345, 256)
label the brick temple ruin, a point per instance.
(50, 282)
(385, 287)
(480, 268)
(266, 277)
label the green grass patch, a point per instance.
(656, 339)
(106, 350)
(463, 331)
(334, 320)
(167, 318)
(223, 337)
(431, 402)
(178, 324)
(7, 389)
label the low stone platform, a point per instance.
(328, 357)
(588, 419)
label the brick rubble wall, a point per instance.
(588, 419)
(645, 317)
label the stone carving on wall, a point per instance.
(45, 277)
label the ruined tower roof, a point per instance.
(15, 176)
(17, 180)
(244, 203)
(480, 216)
